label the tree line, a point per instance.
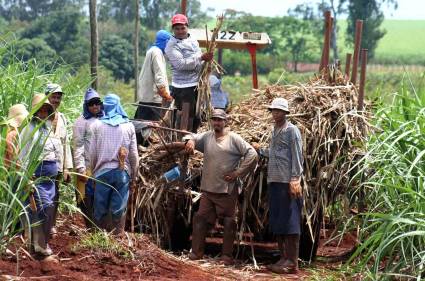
(56, 31)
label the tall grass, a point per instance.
(18, 83)
(393, 233)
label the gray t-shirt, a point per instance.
(222, 156)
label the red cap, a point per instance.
(179, 19)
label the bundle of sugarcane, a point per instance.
(203, 104)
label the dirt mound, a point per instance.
(146, 261)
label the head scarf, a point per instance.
(114, 113)
(91, 94)
(161, 40)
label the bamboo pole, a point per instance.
(348, 65)
(360, 106)
(357, 45)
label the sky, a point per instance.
(407, 9)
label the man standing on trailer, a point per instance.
(226, 157)
(186, 61)
(284, 171)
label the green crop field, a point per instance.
(403, 42)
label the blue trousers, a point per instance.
(45, 187)
(111, 194)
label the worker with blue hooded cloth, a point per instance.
(114, 162)
(82, 135)
(153, 89)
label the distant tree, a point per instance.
(27, 49)
(29, 10)
(299, 38)
(116, 54)
(63, 32)
(370, 11)
(155, 14)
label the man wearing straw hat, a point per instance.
(40, 142)
(186, 59)
(226, 157)
(284, 171)
(59, 127)
(16, 116)
(114, 161)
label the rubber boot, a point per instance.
(229, 236)
(290, 266)
(39, 233)
(281, 247)
(199, 233)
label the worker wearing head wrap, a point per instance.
(153, 82)
(114, 162)
(82, 135)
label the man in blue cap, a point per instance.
(82, 135)
(153, 80)
(114, 162)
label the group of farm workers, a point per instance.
(103, 154)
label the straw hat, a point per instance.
(17, 114)
(40, 98)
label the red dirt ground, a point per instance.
(150, 262)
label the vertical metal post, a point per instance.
(357, 45)
(360, 106)
(348, 65)
(327, 41)
(183, 6)
(253, 52)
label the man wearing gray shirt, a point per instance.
(226, 157)
(186, 60)
(284, 171)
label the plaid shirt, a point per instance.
(285, 155)
(106, 143)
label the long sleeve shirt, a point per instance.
(12, 146)
(153, 76)
(105, 145)
(222, 156)
(82, 134)
(39, 141)
(60, 131)
(184, 56)
(285, 154)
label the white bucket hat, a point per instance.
(279, 103)
(17, 114)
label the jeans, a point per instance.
(111, 194)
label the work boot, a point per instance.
(281, 247)
(290, 265)
(229, 234)
(199, 232)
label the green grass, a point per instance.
(102, 242)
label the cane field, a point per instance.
(390, 241)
